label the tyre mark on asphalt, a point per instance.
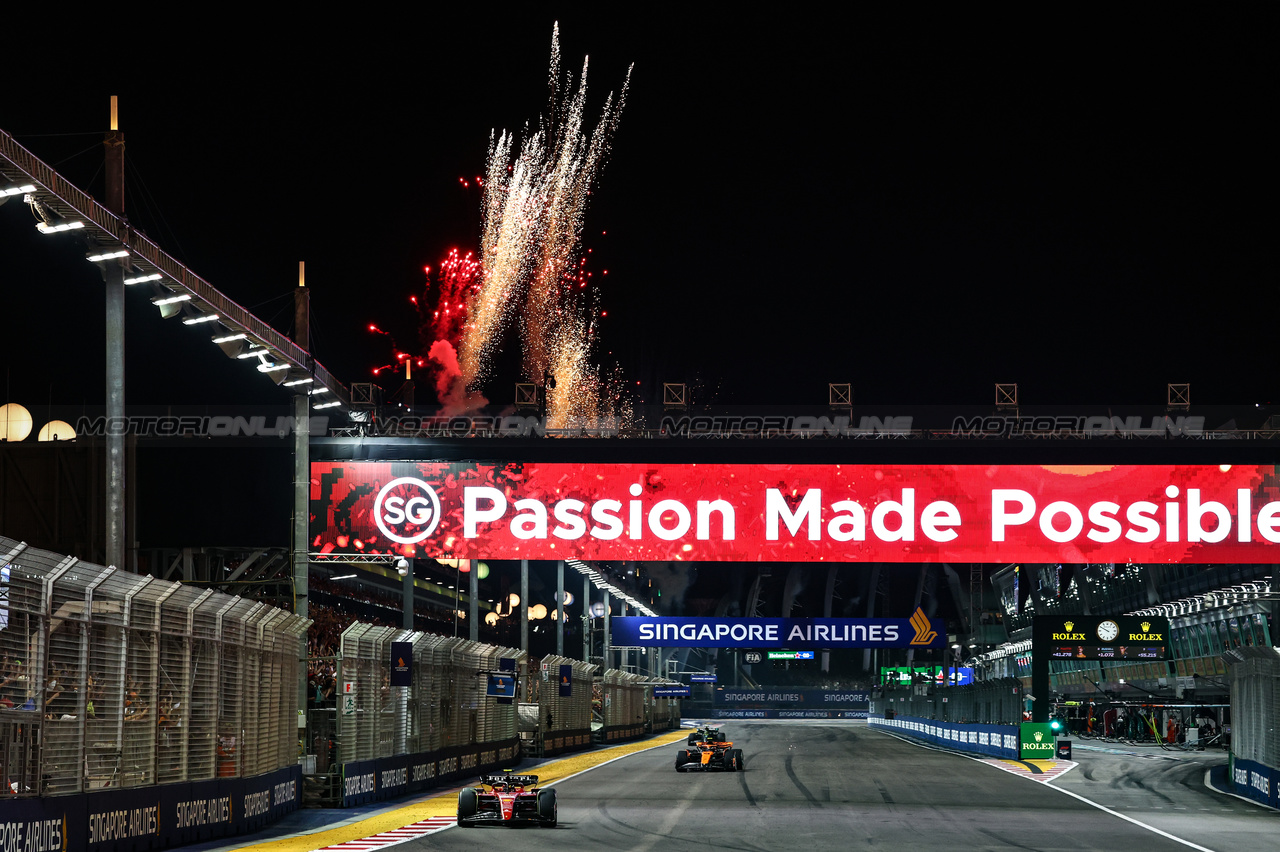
(746, 790)
(1141, 786)
(791, 773)
(1006, 841)
(650, 837)
(1129, 780)
(884, 791)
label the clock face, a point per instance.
(1108, 631)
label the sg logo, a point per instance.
(407, 510)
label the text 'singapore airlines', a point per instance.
(902, 513)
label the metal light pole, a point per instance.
(586, 619)
(114, 272)
(560, 614)
(524, 605)
(301, 452)
(301, 476)
(604, 646)
(473, 608)
(405, 568)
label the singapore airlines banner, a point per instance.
(799, 513)
(918, 631)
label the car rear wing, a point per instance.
(516, 780)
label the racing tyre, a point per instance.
(547, 810)
(467, 806)
(695, 738)
(681, 759)
(735, 760)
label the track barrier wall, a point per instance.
(144, 818)
(990, 740)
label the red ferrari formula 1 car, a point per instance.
(710, 752)
(508, 800)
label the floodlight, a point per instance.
(107, 255)
(171, 300)
(61, 226)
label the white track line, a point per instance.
(1136, 822)
(1051, 786)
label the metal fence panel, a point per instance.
(203, 758)
(60, 652)
(446, 704)
(1255, 702)
(110, 679)
(140, 612)
(563, 713)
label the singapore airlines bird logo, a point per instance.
(925, 634)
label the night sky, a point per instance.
(921, 204)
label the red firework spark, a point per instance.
(457, 282)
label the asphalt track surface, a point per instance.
(843, 785)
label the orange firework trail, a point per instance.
(531, 242)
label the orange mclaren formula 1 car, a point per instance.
(508, 800)
(709, 751)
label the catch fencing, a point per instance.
(993, 702)
(439, 724)
(629, 708)
(1255, 742)
(555, 715)
(444, 706)
(115, 680)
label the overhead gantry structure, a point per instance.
(127, 258)
(60, 208)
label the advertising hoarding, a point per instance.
(799, 513)
(1085, 637)
(903, 675)
(797, 637)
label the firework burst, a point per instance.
(530, 255)
(457, 283)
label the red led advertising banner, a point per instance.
(799, 513)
